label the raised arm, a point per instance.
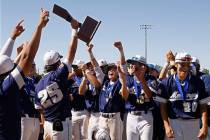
(29, 52)
(88, 76)
(140, 75)
(99, 73)
(92, 58)
(169, 58)
(8, 46)
(122, 78)
(83, 86)
(73, 42)
(119, 46)
(19, 52)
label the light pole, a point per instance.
(145, 27)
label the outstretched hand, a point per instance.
(118, 45)
(43, 18)
(90, 47)
(170, 56)
(18, 30)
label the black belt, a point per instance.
(138, 113)
(108, 115)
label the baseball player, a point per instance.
(12, 80)
(140, 103)
(90, 87)
(52, 94)
(30, 124)
(158, 128)
(111, 98)
(80, 115)
(154, 70)
(183, 102)
(206, 79)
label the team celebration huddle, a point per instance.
(95, 100)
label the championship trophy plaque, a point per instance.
(87, 29)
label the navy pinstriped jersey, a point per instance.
(136, 100)
(78, 102)
(179, 106)
(110, 98)
(52, 94)
(92, 98)
(27, 98)
(10, 125)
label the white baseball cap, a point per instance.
(183, 57)
(78, 62)
(102, 134)
(137, 58)
(102, 62)
(51, 57)
(6, 64)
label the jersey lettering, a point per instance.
(50, 96)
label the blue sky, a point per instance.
(179, 25)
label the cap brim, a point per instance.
(182, 62)
(60, 56)
(74, 66)
(130, 61)
(134, 61)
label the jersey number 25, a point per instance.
(50, 96)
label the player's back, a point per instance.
(52, 96)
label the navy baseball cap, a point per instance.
(154, 67)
